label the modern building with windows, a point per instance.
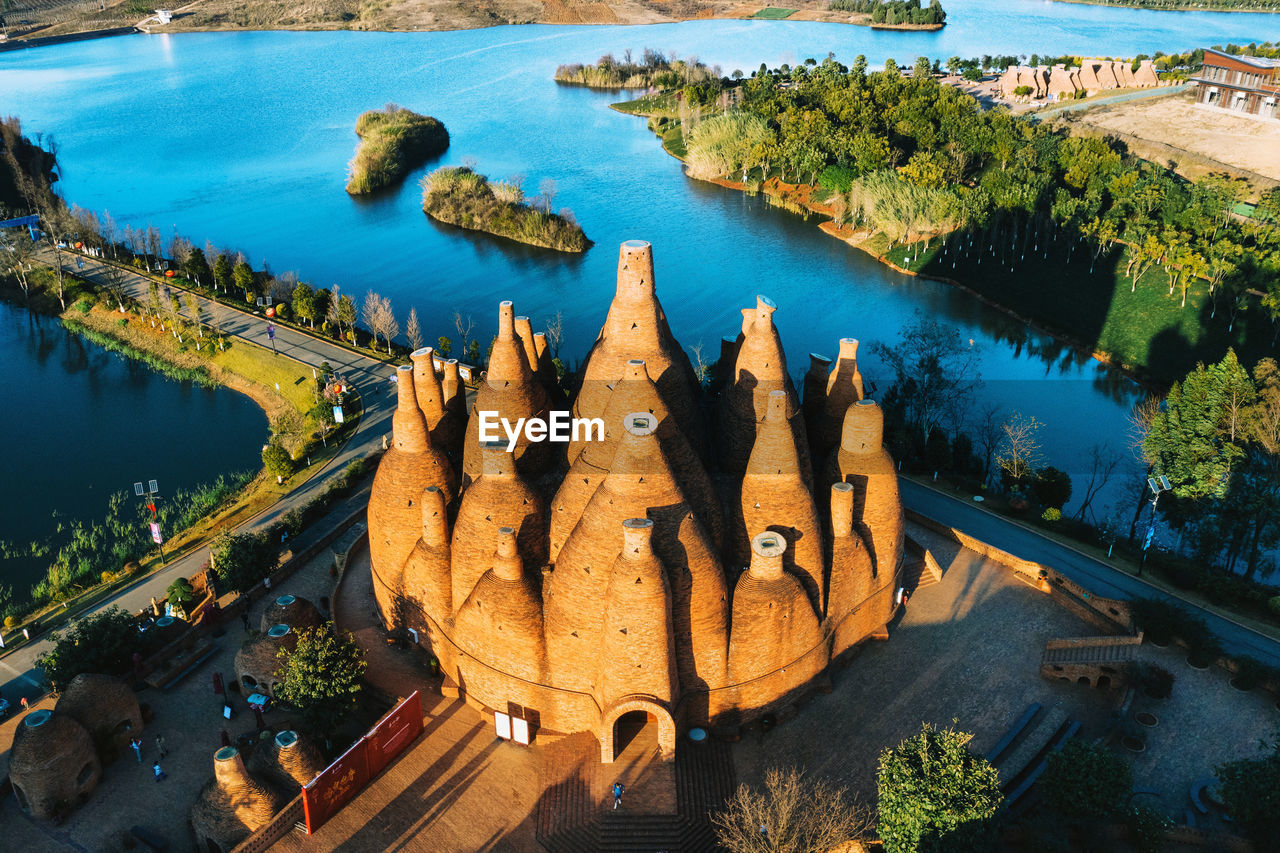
(1245, 85)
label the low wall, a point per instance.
(280, 826)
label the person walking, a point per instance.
(244, 617)
(160, 774)
(136, 743)
(618, 788)
(160, 746)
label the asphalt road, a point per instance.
(1092, 574)
(368, 376)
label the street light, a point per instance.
(1158, 487)
(152, 494)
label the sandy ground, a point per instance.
(1215, 134)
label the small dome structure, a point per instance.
(232, 805)
(287, 761)
(258, 660)
(104, 705)
(52, 763)
(291, 610)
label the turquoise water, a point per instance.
(243, 139)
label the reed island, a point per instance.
(393, 141)
(462, 197)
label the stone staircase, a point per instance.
(919, 568)
(573, 817)
(1097, 661)
(1086, 652)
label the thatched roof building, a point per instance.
(291, 610)
(288, 761)
(258, 662)
(232, 805)
(52, 763)
(105, 705)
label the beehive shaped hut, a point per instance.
(776, 646)
(499, 628)
(640, 484)
(52, 763)
(633, 392)
(232, 805)
(813, 400)
(761, 367)
(498, 498)
(636, 328)
(410, 465)
(287, 761)
(428, 577)
(1061, 86)
(445, 423)
(258, 662)
(1106, 75)
(863, 462)
(1008, 81)
(106, 707)
(1146, 76)
(455, 403)
(1089, 75)
(510, 392)
(1124, 73)
(291, 610)
(775, 499)
(611, 600)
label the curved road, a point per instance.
(18, 674)
(1098, 577)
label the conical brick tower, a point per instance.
(877, 508)
(498, 498)
(852, 577)
(639, 484)
(776, 645)
(410, 465)
(774, 498)
(428, 580)
(815, 401)
(444, 422)
(509, 390)
(761, 367)
(636, 327)
(844, 388)
(500, 627)
(545, 372)
(633, 392)
(638, 655)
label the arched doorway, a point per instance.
(639, 723)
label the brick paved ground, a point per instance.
(189, 719)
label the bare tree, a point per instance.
(332, 313)
(17, 254)
(179, 248)
(555, 333)
(380, 318)
(792, 815)
(153, 244)
(548, 191)
(110, 232)
(701, 369)
(1103, 462)
(414, 330)
(1019, 453)
(116, 282)
(988, 431)
(281, 287)
(193, 313)
(464, 328)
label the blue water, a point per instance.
(83, 422)
(243, 139)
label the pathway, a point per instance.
(18, 675)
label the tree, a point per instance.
(1052, 487)
(115, 281)
(223, 275)
(17, 254)
(1019, 452)
(346, 314)
(935, 373)
(413, 331)
(197, 267)
(181, 594)
(1086, 780)
(321, 677)
(791, 815)
(244, 279)
(242, 559)
(1251, 793)
(277, 460)
(935, 795)
(444, 346)
(1103, 462)
(194, 314)
(922, 69)
(380, 318)
(937, 451)
(304, 303)
(101, 642)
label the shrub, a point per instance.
(793, 814)
(1273, 604)
(100, 642)
(1052, 487)
(1249, 672)
(392, 141)
(1051, 514)
(1155, 681)
(837, 179)
(1146, 828)
(1085, 779)
(1251, 794)
(462, 197)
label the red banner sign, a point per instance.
(325, 795)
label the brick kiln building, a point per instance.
(1244, 85)
(700, 569)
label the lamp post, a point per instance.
(151, 493)
(1158, 487)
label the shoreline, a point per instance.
(1175, 9)
(829, 228)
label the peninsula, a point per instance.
(393, 141)
(461, 197)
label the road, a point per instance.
(1094, 575)
(368, 376)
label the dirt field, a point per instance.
(1199, 140)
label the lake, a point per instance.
(243, 139)
(85, 422)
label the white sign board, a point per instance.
(337, 415)
(502, 723)
(520, 731)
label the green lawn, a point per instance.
(662, 104)
(265, 368)
(774, 13)
(1147, 329)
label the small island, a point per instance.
(654, 71)
(462, 197)
(393, 140)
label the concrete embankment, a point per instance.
(64, 39)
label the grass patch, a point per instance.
(267, 369)
(664, 105)
(774, 13)
(467, 199)
(393, 140)
(673, 142)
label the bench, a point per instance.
(1055, 745)
(1014, 731)
(1197, 790)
